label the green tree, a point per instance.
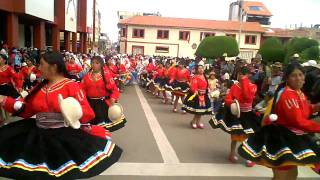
(216, 46)
(310, 53)
(272, 50)
(305, 47)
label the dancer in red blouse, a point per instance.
(180, 84)
(101, 92)
(247, 122)
(10, 81)
(10, 84)
(170, 75)
(283, 143)
(150, 68)
(28, 73)
(159, 80)
(197, 101)
(73, 69)
(46, 147)
(121, 74)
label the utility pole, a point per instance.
(240, 3)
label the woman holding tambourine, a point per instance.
(102, 92)
(58, 143)
(239, 120)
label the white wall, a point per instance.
(71, 10)
(43, 9)
(179, 47)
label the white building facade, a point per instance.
(137, 36)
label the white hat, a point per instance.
(24, 64)
(296, 55)
(225, 55)
(115, 112)
(226, 76)
(235, 108)
(312, 62)
(3, 51)
(33, 77)
(201, 63)
(71, 111)
(215, 94)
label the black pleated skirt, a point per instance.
(277, 146)
(100, 108)
(9, 90)
(247, 124)
(31, 153)
(193, 107)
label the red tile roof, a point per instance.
(263, 11)
(192, 23)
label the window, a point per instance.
(138, 33)
(255, 8)
(231, 35)
(250, 39)
(123, 32)
(205, 34)
(161, 49)
(163, 34)
(184, 35)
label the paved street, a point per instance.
(159, 144)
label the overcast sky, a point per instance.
(285, 12)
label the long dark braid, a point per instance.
(276, 96)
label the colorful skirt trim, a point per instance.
(192, 106)
(100, 108)
(115, 125)
(276, 146)
(177, 86)
(160, 83)
(248, 123)
(63, 153)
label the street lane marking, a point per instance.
(196, 169)
(168, 154)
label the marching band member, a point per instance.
(243, 121)
(283, 143)
(101, 92)
(197, 101)
(55, 144)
